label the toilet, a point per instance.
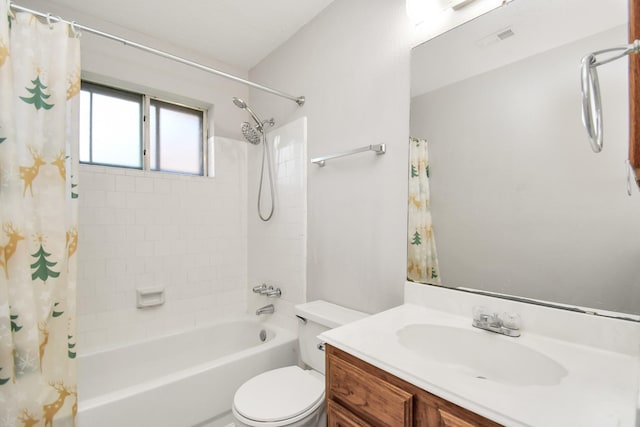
(292, 396)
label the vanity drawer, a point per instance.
(368, 396)
(337, 416)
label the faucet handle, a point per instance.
(511, 321)
(273, 293)
(263, 289)
(495, 320)
(481, 313)
(259, 289)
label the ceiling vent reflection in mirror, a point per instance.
(496, 37)
(419, 10)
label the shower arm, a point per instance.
(259, 122)
(254, 117)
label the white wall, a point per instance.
(352, 64)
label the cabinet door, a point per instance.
(337, 416)
(369, 396)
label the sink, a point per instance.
(481, 354)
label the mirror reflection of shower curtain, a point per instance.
(422, 259)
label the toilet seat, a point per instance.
(279, 397)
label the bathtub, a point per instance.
(181, 380)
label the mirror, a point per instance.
(520, 205)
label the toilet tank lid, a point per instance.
(328, 314)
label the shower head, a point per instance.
(239, 103)
(252, 134)
(243, 105)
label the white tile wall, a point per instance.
(277, 249)
(140, 229)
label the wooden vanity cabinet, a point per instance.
(361, 395)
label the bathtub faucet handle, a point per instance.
(260, 289)
(273, 293)
(266, 290)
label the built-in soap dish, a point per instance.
(149, 297)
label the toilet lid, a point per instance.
(279, 394)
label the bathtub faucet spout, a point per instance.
(267, 309)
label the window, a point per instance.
(114, 132)
(176, 138)
(110, 127)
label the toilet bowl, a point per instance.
(292, 396)
(289, 396)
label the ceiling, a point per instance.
(237, 32)
(476, 48)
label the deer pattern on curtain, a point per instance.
(422, 258)
(39, 119)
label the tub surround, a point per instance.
(600, 356)
(136, 233)
(277, 249)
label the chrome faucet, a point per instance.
(506, 324)
(267, 309)
(259, 289)
(269, 291)
(273, 293)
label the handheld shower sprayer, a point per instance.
(254, 135)
(259, 123)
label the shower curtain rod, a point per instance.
(75, 26)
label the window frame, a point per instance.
(145, 101)
(120, 94)
(175, 106)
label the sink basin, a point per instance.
(482, 354)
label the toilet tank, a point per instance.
(316, 318)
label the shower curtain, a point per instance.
(39, 115)
(422, 259)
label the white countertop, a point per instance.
(600, 389)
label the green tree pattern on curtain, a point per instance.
(14, 322)
(38, 98)
(416, 239)
(42, 264)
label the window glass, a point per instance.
(116, 130)
(111, 129)
(176, 138)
